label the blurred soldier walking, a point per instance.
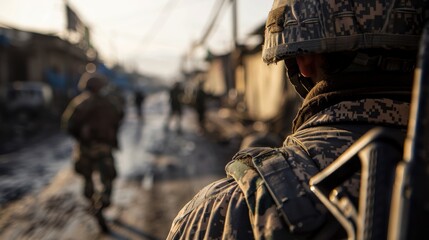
(353, 63)
(93, 119)
(176, 93)
(200, 106)
(139, 98)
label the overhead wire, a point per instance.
(162, 18)
(159, 22)
(214, 16)
(157, 25)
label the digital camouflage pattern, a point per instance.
(284, 173)
(309, 26)
(248, 203)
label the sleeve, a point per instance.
(219, 211)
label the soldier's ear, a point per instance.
(310, 65)
(306, 65)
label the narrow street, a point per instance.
(159, 171)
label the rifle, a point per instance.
(394, 197)
(410, 203)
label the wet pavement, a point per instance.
(159, 171)
(32, 167)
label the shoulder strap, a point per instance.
(293, 199)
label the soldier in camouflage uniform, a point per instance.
(93, 119)
(176, 93)
(353, 63)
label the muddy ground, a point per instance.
(159, 171)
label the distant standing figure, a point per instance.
(175, 107)
(93, 119)
(139, 98)
(200, 106)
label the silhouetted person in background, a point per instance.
(176, 93)
(139, 98)
(93, 119)
(200, 106)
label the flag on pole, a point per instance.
(75, 24)
(73, 21)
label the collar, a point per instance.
(383, 111)
(389, 92)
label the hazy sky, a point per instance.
(149, 35)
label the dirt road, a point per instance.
(159, 171)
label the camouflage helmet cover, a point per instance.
(92, 82)
(309, 26)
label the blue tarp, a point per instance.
(56, 80)
(4, 41)
(118, 79)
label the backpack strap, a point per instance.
(285, 175)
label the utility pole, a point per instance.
(235, 50)
(234, 22)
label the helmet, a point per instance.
(92, 82)
(355, 35)
(322, 26)
(309, 26)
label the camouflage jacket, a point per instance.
(93, 118)
(242, 206)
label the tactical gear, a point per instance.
(256, 200)
(92, 82)
(262, 196)
(287, 187)
(410, 196)
(375, 157)
(300, 27)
